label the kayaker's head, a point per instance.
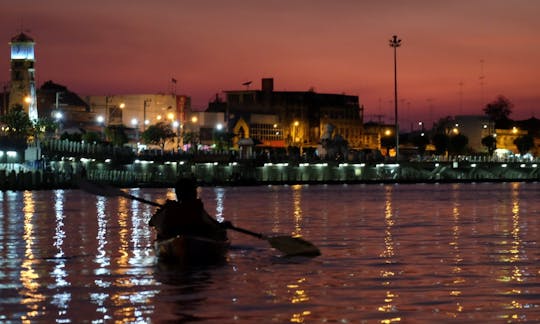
(185, 189)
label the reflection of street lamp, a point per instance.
(395, 42)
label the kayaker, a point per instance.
(186, 215)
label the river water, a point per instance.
(415, 253)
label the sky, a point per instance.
(455, 56)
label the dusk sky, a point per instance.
(455, 55)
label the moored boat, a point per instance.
(192, 250)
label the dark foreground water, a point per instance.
(422, 253)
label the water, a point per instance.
(421, 253)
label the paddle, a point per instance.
(288, 245)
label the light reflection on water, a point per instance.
(391, 253)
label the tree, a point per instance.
(73, 137)
(420, 141)
(192, 138)
(443, 125)
(17, 122)
(45, 126)
(158, 134)
(222, 139)
(524, 143)
(440, 140)
(499, 111)
(490, 142)
(116, 134)
(457, 144)
(91, 137)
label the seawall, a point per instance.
(64, 174)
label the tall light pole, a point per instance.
(395, 42)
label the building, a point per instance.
(23, 87)
(506, 138)
(140, 110)
(475, 128)
(290, 118)
(69, 110)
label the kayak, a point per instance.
(192, 250)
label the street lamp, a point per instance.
(395, 42)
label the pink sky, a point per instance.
(126, 47)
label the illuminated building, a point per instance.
(300, 117)
(23, 87)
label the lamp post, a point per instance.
(135, 124)
(177, 127)
(101, 122)
(395, 42)
(145, 120)
(58, 118)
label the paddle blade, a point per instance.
(293, 246)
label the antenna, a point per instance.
(482, 78)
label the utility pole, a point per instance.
(395, 42)
(145, 121)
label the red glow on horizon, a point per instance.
(210, 46)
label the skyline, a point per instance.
(455, 57)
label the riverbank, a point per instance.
(65, 174)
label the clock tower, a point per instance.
(23, 84)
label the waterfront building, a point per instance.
(291, 118)
(139, 111)
(506, 138)
(66, 108)
(202, 128)
(23, 84)
(380, 137)
(474, 127)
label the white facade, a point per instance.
(140, 110)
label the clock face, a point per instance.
(21, 51)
